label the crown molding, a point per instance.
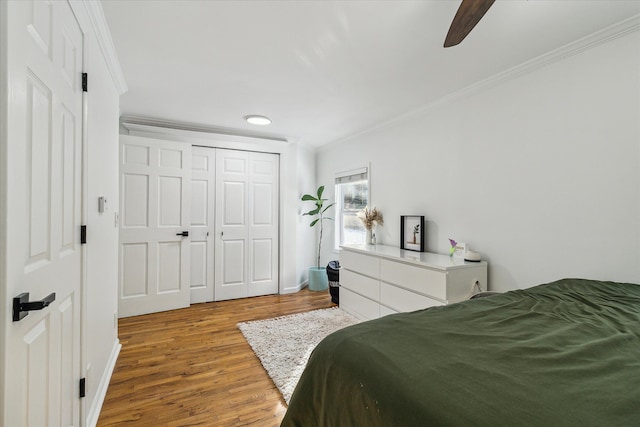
(613, 32)
(583, 44)
(138, 125)
(91, 18)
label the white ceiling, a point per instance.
(324, 70)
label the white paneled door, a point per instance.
(246, 255)
(41, 368)
(203, 181)
(155, 177)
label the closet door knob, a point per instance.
(183, 234)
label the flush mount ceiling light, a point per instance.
(258, 120)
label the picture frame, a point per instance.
(412, 232)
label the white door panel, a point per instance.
(263, 220)
(170, 201)
(198, 268)
(231, 231)
(133, 268)
(247, 225)
(233, 203)
(43, 208)
(233, 261)
(135, 211)
(199, 198)
(203, 169)
(154, 258)
(261, 259)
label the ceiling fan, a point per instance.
(468, 15)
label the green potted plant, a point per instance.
(318, 280)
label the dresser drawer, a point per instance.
(359, 306)
(363, 264)
(403, 300)
(422, 280)
(360, 284)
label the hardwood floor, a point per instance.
(193, 366)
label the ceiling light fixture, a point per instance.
(258, 120)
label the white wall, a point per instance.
(307, 236)
(101, 295)
(539, 173)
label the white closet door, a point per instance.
(203, 180)
(263, 224)
(246, 258)
(43, 213)
(155, 205)
(232, 232)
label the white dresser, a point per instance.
(376, 280)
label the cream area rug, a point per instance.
(284, 344)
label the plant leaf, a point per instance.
(320, 191)
(325, 209)
(308, 197)
(314, 222)
(315, 211)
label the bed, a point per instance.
(562, 353)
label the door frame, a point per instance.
(4, 108)
(84, 217)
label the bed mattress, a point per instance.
(563, 353)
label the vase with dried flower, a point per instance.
(370, 218)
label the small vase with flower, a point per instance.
(370, 218)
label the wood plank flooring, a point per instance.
(193, 367)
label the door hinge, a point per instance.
(83, 234)
(83, 386)
(84, 82)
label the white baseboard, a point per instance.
(101, 393)
(295, 289)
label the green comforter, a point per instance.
(561, 354)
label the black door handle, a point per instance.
(183, 234)
(22, 306)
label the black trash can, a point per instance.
(333, 274)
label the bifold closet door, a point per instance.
(203, 181)
(155, 219)
(247, 194)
